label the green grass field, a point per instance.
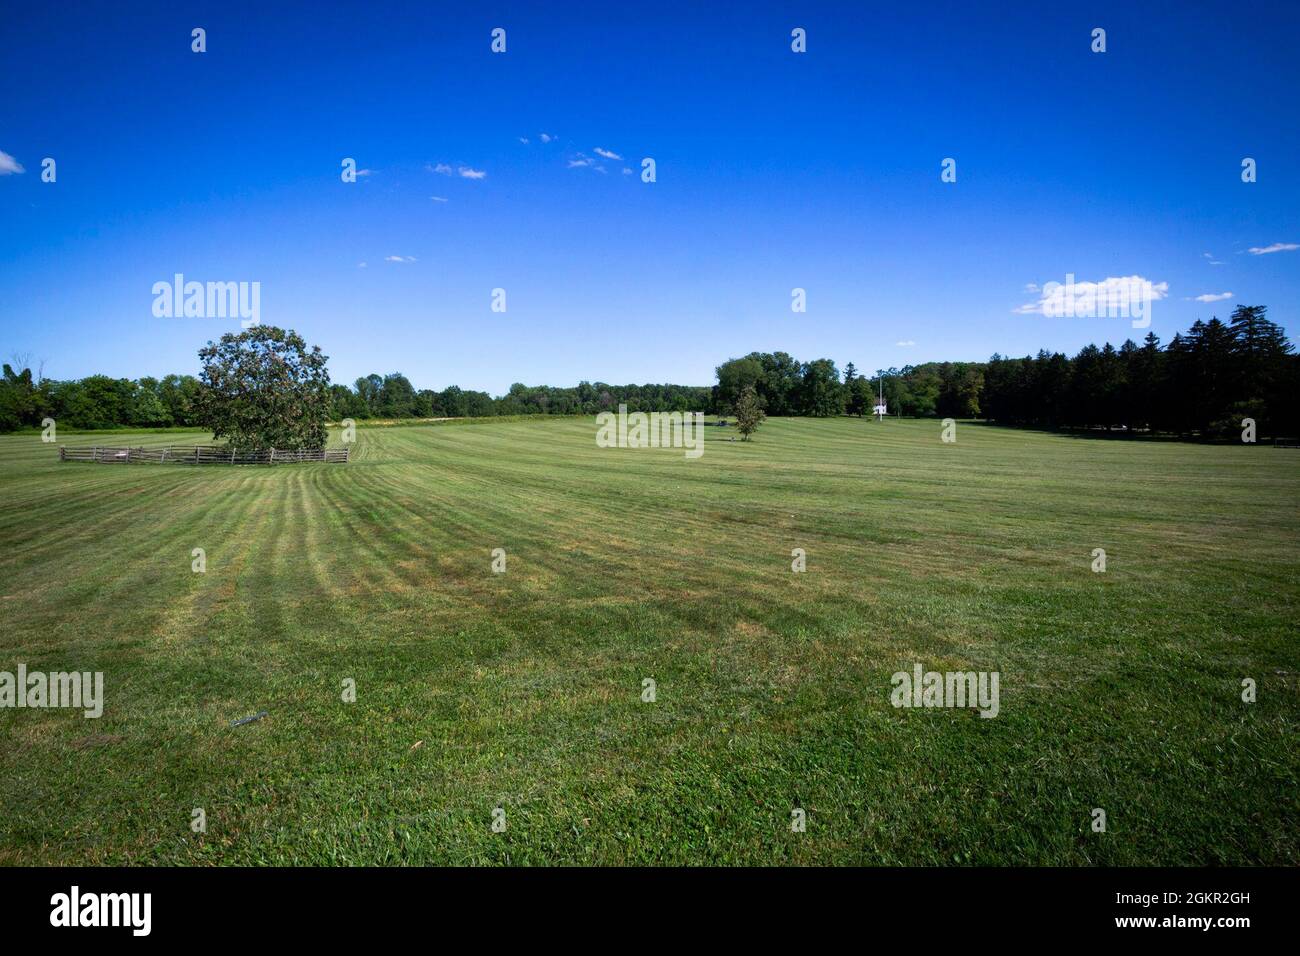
(1119, 691)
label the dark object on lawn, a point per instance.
(248, 720)
(722, 423)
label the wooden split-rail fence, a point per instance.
(199, 454)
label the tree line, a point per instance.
(1202, 383)
(99, 401)
(393, 396)
(786, 386)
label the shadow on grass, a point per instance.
(1103, 434)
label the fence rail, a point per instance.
(199, 454)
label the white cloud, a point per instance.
(905, 343)
(465, 172)
(547, 137)
(361, 265)
(1031, 286)
(626, 171)
(608, 154)
(1213, 297)
(9, 165)
(399, 258)
(1112, 295)
(1209, 257)
(524, 140)
(1275, 247)
(438, 198)
(581, 161)
(364, 172)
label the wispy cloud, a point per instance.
(1209, 257)
(524, 140)
(361, 265)
(364, 172)
(608, 154)
(1275, 247)
(1056, 299)
(581, 161)
(904, 343)
(627, 171)
(1212, 297)
(9, 165)
(465, 172)
(546, 137)
(438, 198)
(399, 258)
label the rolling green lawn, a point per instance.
(522, 690)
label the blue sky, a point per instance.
(775, 170)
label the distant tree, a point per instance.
(1264, 373)
(778, 392)
(178, 394)
(821, 394)
(264, 388)
(18, 399)
(1144, 376)
(396, 397)
(922, 389)
(1216, 377)
(1256, 336)
(452, 401)
(959, 390)
(146, 408)
(734, 376)
(478, 404)
(97, 401)
(369, 390)
(853, 401)
(749, 414)
(860, 399)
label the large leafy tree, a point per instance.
(778, 390)
(734, 376)
(264, 388)
(821, 392)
